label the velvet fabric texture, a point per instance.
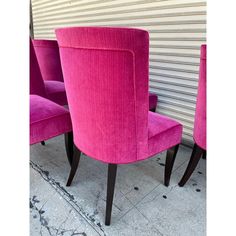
(47, 53)
(36, 81)
(56, 91)
(199, 134)
(47, 119)
(53, 90)
(106, 74)
(152, 101)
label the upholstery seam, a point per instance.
(134, 84)
(50, 118)
(167, 130)
(52, 136)
(103, 49)
(42, 46)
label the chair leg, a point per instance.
(69, 146)
(111, 180)
(170, 159)
(204, 155)
(74, 165)
(195, 157)
(43, 143)
(153, 110)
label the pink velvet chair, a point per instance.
(47, 52)
(199, 134)
(51, 89)
(106, 73)
(48, 120)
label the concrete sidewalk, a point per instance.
(142, 204)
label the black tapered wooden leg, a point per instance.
(74, 165)
(170, 159)
(69, 144)
(43, 143)
(111, 180)
(204, 155)
(195, 157)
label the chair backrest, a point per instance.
(106, 79)
(36, 81)
(48, 56)
(200, 114)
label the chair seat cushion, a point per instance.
(163, 131)
(56, 91)
(152, 101)
(47, 119)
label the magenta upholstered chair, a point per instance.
(199, 133)
(36, 82)
(47, 52)
(47, 120)
(106, 73)
(51, 89)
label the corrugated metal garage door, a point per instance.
(177, 29)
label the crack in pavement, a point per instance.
(44, 222)
(96, 225)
